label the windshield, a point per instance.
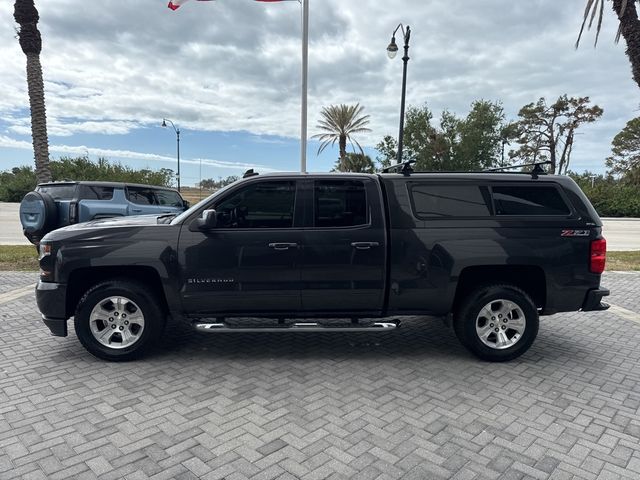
(180, 218)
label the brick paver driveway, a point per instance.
(405, 404)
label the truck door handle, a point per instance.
(137, 210)
(282, 246)
(364, 245)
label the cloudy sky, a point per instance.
(228, 74)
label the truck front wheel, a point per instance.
(497, 323)
(118, 320)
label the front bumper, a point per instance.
(593, 300)
(51, 299)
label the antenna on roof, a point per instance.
(250, 173)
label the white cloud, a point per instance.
(9, 142)
(235, 65)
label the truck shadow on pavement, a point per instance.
(424, 338)
(418, 339)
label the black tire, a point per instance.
(483, 311)
(116, 345)
(38, 215)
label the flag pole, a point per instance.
(305, 75)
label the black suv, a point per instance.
(490, 251)
(57, 204)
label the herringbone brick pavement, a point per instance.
(407, 404)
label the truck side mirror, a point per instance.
(186, 204)
(207, 221)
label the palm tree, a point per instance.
(339, 123)
(27, 17)
(629, 28)
(355, 162)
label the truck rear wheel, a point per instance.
(497, 323)
(118, 320)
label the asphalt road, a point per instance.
(622, 234)
(10, 228)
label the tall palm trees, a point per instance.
(629, 27)
(338, 124)
(27, 17)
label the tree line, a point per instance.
(544, 132)
(15, 183)
(211, 184)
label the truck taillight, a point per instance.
(73, 212)
(598, 255)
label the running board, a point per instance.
(296, 327)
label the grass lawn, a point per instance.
(623, 261)
(25, 258)
(194, 195)
(18, 257)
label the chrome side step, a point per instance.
(221, 327)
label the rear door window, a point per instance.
(95, 192)
(529, 200)
(59, 192)
(431, 200)
(141, 195)
(169, 198)
(339, 203)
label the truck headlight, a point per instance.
(45, 250)
(46, 262)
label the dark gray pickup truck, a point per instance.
(490, 251)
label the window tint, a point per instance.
(525, 200)
(339, 203)
(261, 205)
(430, 200)
(93, 192)
(59, 192)
(141, 195)
(167, 197)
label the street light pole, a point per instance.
(305, 85)
(177, 130)
(392, 50)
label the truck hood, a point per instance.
(108, 228)
(132, 221)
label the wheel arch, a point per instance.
(529, 278)
(83, 279)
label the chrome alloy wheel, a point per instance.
(500, 324)
(116, 322)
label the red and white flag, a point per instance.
(175, 4)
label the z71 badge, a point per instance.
(575, 233)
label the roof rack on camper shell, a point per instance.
(406, 168)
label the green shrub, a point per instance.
(15, 183)
(609, 196)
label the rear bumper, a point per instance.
(593, 300)
(51, 300)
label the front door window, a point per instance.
(261, 205)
